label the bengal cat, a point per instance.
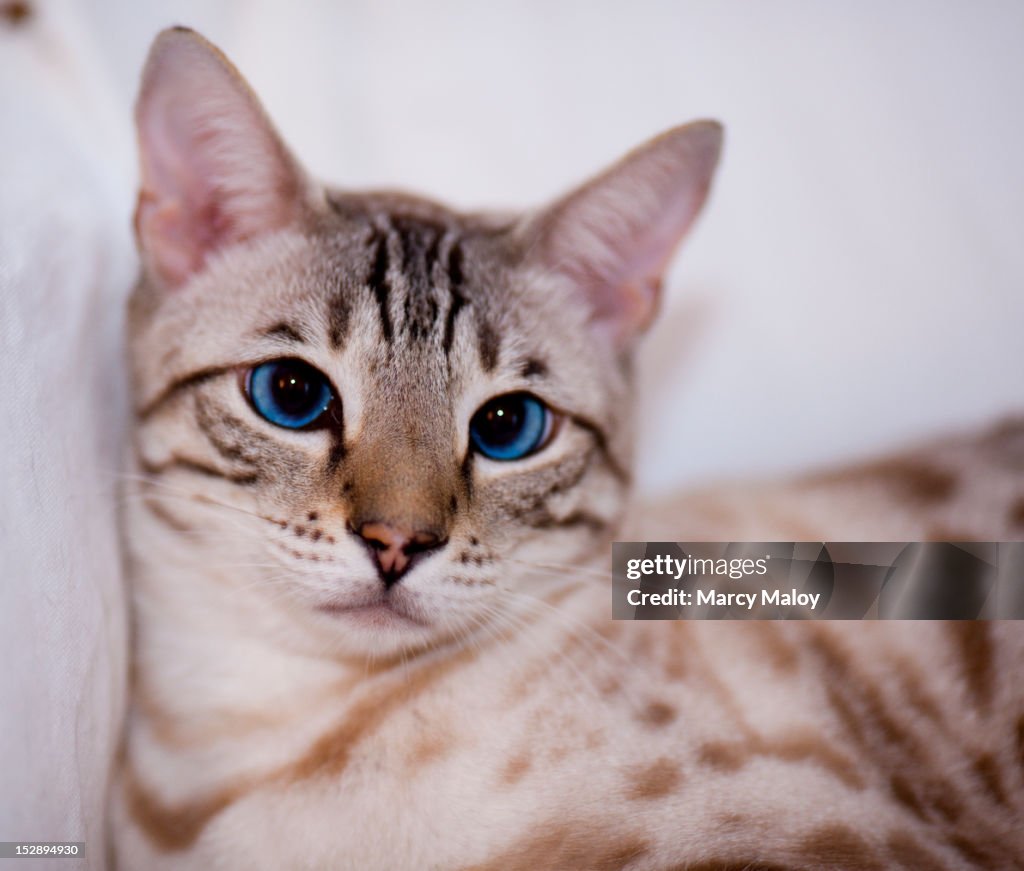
(381, 450)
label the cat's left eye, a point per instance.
(289, 393)
(511, 427)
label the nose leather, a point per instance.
(394, 548)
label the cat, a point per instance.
(381, 450)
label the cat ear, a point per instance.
(213, 169)
(613, 237)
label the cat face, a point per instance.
(385, 420)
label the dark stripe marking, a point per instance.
(861, 706)
(185, 382)
(288, 332)
(989, 775)
(1020, 742)
(575, 519)
(190, 465)
(227, 451)
(601, 441)
(904, 794)
(466, 471)
(807, 748)
(1016, 516)
(454, 307)
(973, 641)
(839, 846)
(420, 240)
(489, 345)
(379, 283)
(244, 439)
(336, 454)
(337, 320)
(165, 516)
(456, 276)
(655, 780)
(534, 368)
(975, 853)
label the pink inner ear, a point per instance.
(160, 231)
(178, 217)
(619, 264)
(187, 209)
(214, 171)
(626, 292)
(177, 242)
(614, 237)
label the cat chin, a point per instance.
(383, 614)
(364, 639)
(383, 626)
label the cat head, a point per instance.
(389, 420)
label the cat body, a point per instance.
(379, 636)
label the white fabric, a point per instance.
(65, 261)
(855, 281)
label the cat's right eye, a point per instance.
(289, 393)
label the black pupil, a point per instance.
(500, 423)
(295, 389)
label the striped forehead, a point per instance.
(414, 278)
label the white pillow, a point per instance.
(66, 261)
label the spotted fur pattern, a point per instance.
(488, 714)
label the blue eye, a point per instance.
(510, 427)
(289, 393)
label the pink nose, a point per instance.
(394, 549)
